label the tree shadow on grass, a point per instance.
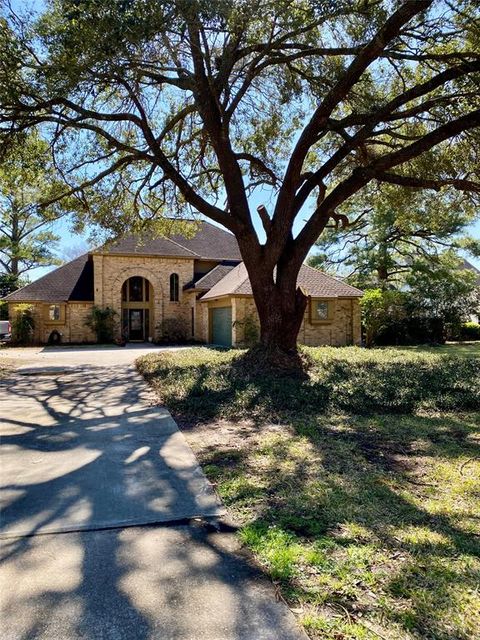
(349, 482)
(228, 389)
(366, 481)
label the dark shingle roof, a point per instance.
(209, 242)
(71, 281)
(211, 278)
(74, 280)
(314, 282)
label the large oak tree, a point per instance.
(157, 106)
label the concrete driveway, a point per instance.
(127, 553)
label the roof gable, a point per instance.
(315, 283)
(74, 280)
(209, 279)
(209, 243)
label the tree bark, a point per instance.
(279, 327)
(15, 244)
(280, 305)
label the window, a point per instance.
(322, 310)
(174, 287)
(136, 289)
(54, 313)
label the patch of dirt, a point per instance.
(225, 435)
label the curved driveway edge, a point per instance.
(85, 453)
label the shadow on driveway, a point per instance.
(83, 452)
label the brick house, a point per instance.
(177, 288)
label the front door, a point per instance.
(136, 324)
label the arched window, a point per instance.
(136, 289)
(174, 287)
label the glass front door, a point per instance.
(136, 326)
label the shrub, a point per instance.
(173, 330)
(250, 330)
(102, 322)
(23, 325)
(382, 311)
(208, 384)
(470, 331)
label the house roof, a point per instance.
(211, 278)
(468, 265)
(71, 281)
(74, 280)
(315, 283)
(208, 242)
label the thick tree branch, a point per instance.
(428, 183)
(284, 211)
(362, 175)
(371, 120)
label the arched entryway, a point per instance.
(137, 309)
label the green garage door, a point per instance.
(222, 326)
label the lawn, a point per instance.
(462, 349)
(365, 515)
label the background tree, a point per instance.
(27, 178)
(449, 291)
(395, 233)
(179, 105)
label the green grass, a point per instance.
(211, 383)
(369, 524)
(460, 349)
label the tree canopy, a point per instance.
(171, 106)
(28, 179)
(395, 233)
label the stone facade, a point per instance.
(187, 318)
(111, 271)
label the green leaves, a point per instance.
(28, 180)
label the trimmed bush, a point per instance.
(173, 331)
(23, 325)
(470, 331)
(102, 322)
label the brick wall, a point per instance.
(342, 330)
(110, 272)
(72, 328)
(77, 314)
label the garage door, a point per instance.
(222, 326)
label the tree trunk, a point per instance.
(281, 314)
(273, 270)
(15, 245)
(281, 307)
